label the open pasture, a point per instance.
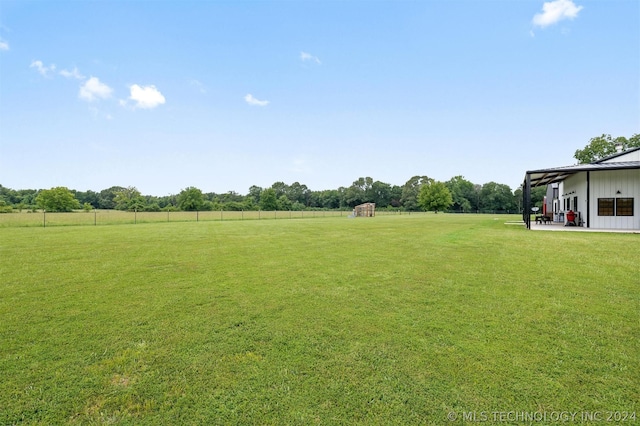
(407, 319)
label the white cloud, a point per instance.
(44, 71)
(74, 73)
(556, 11)
(4, 45)
(93, 90)
(253, 101)
(145, 97)
(304, 57)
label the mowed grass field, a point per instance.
(407, 319)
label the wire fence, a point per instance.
(117, 217)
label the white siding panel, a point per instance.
(606, 184)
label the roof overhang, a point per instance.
(558, 174)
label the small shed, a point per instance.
(365, 210)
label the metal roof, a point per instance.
(558, 174)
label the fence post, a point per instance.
(95, 217)
(197, 216)
(135, 216)
(44, 218)
(220, 215)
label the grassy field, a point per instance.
(421, 319)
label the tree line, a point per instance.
(418, 193)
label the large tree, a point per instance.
(129, 199)
(253, 197)
(190, 199)
(328, 199)
(434, 196)
(381, 193)
(90, 197)
(106, 197)
(58, 199)
(359, 192)
(268, 200)
(410, 191)
(603, 146)
(462, 193)
(497, 197)
(298, 193)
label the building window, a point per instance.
(624, 206)
(605, 206)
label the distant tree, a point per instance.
(434, 196)
(58, 199)
(167, 201)
(8, 195)
(268, 200)
(395, 196)
(26, 198)
(90, 197)
(537, 195)
(603, 146)
(359, 192)
(462, 193)
(106, 197)
(283, 203)
(250, 204)
(298, 193)
(152, 207)
(327, 199)
(190, 199)
(381, 193)
(410, 191)
(496, 197)
(281, 189)
(254, 194)
(5, 207)
(230, 196)
(234, 206)
(129, 199)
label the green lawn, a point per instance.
(405, 319)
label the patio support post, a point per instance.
(526, 202)
(588, 201)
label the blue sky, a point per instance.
(222, 95)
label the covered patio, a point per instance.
(581, 186)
